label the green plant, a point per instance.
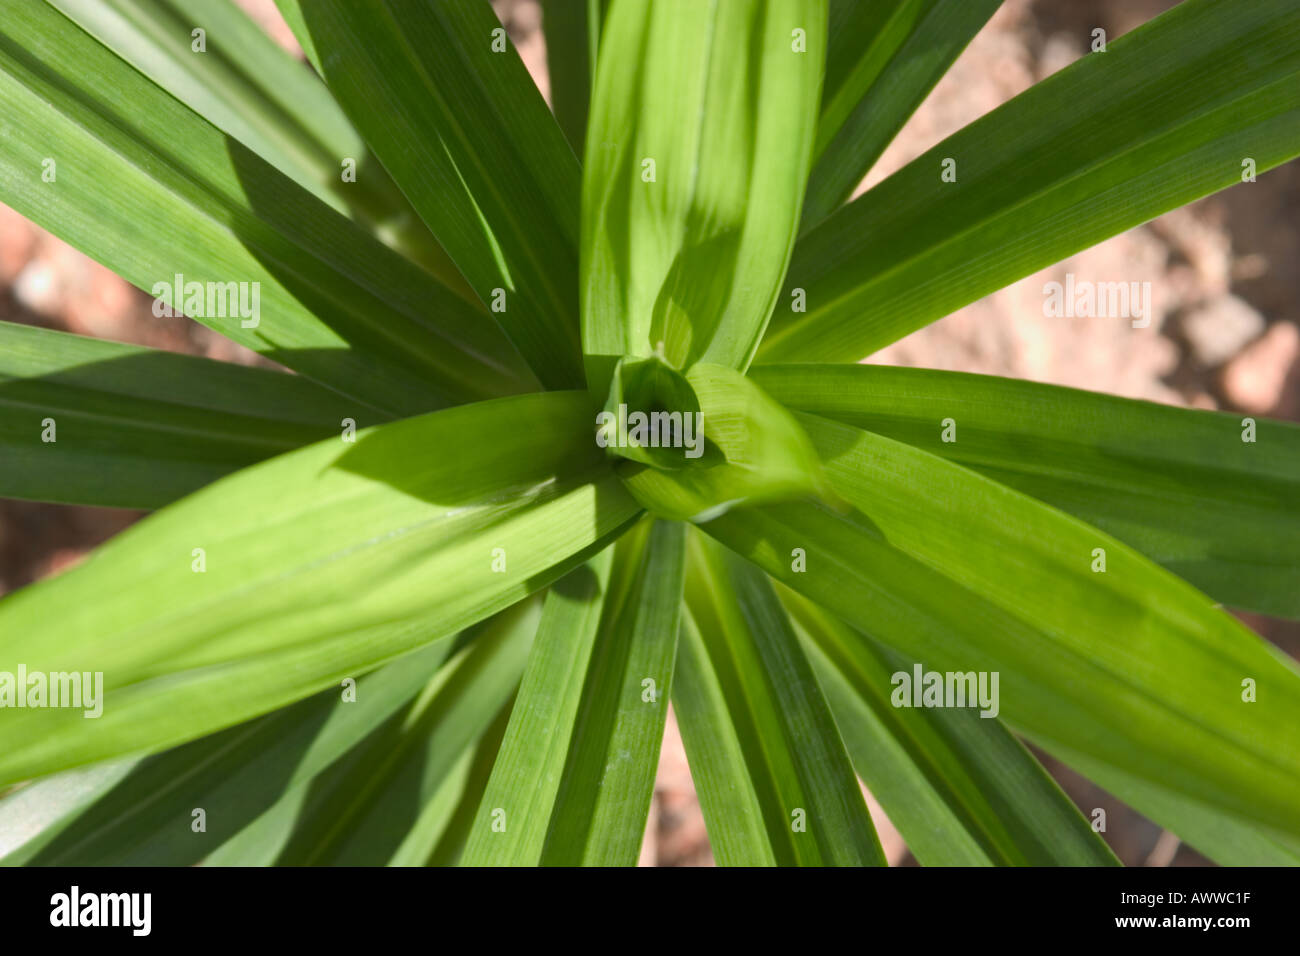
(510, 606)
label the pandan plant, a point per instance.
(573, 441)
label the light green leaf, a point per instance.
(600, 810)
(316, 565)
(757, 689)
(732, 809)
(1169, 113)
(959, 786)
(468, 137)
(521, 792)
(1178, 484)
(144, 185)
(700, 135)
(1226, 840)
(575, 774)
(145, 818)
(883, 58)
(91, 422)
(1131, 666)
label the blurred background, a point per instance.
(1225, 334)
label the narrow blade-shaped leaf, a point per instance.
(290, 575)
(35, 813)
(91, 422)
(262, 261)
(1169, 113)
(574, 779)
(530, 767)
(604, 797)
(572, 31)
(146, 818)
(812, 807)
(1183, 486)
(246, 85)
(1129, 666)
(701, 130)
(448, 107)
(364, 808)
(1225, 839)
(455, 805)
(882, 60)
(729, 799)
(958, 785)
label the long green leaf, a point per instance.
(604, 796)
(98, 423)
(246, 85)
(151, 190)
(733, 812)
(700, 136)
(1169, 113)
(1225, 839)
(794, 763)
(883, 58)
(446, 104)
(37, 812)
(1127, 665)
(147, 817)
(455, 804)
(316, 564)
(521, 792)
(1180, 485)
(367, 806)
(572, 31)
(959, 786)
(574, 778)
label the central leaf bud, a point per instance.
(695, 444)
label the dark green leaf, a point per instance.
(515, 816)
(792, 768)
(959, 786)
(146, 817)
(97, 423)
(442, 98)
(247, 86)
(154, 192)
(381, 802)
(1167, 114)
(572, 31)
(883, 58)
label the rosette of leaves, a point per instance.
(402, 607)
